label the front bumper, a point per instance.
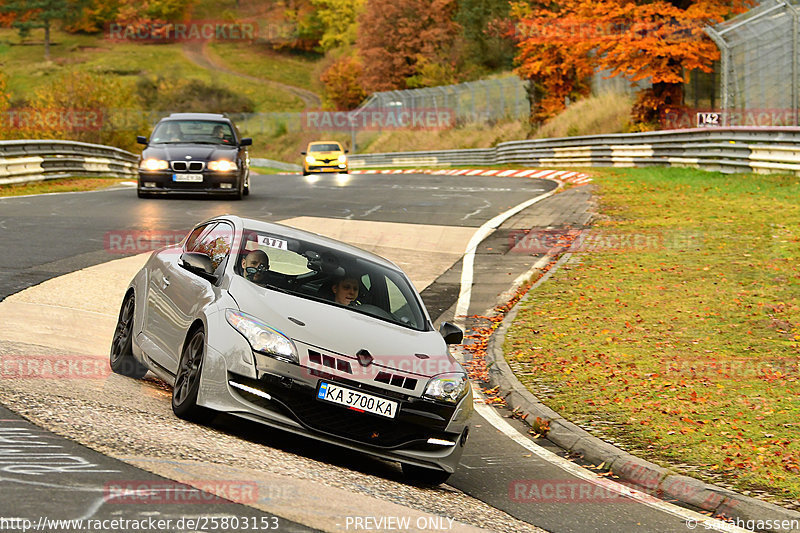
(283, 395)
(213, 182)
(326, 168)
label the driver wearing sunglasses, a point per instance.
(255, 266)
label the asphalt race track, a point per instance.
(47, 236)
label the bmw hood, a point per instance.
(187, 152)
(344, 331)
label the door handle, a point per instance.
(165, 283)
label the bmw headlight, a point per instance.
(154, 164)
(342, 158)
(310, 159)
(450, 387)
(221, 166)
(261, 337)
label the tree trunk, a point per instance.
(47, 40)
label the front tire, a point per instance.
(121, 358)
(424, 476)
(187, 381)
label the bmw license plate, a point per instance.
(193, 178)
(357, 400)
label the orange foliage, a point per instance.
(662, 41)
(6, 18)
(396, 35)
(342, 86)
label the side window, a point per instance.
(215, 242)
(399, 305)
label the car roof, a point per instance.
(198, 116)
(313, 238)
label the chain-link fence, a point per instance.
(475, 101)
(759, 65)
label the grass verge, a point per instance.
(59, 185)
(675, 331)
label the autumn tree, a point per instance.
(91, 16)
(396, 35)
(342, 82)
(32, 14)
(6, 17)
(105, 110)
(339, 19)
(481, 24)
(660, 41)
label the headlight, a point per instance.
(261, 337)
(154, 164)
(221, 166)
(342, 158)
(449, 387)
(310, 159)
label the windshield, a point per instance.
(193, 131)
(332, 147)
(330, 276)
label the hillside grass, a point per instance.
(26, 69)
(261, 62)
(675, 331)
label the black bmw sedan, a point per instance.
(195, 152)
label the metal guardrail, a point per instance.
(725, 150)
(271, 163)
(36, 160)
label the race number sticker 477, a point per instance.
(272, 242)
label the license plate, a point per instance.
(357, 400)
(193, 178)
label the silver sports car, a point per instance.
(299, 332)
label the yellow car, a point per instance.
(324, 156)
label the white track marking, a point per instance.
(690, 517)
(468, 267)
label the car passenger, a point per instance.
(345, 291)
(255, 266)
(172, 133)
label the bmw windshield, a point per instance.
(192, 131)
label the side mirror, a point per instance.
(452, 334)
(347, 151)
(141, 140)
(199, 264)
(302, 153)
(247, 141)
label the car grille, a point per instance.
(330, 361)
(414, 424)
(396, 380)
(343, 365)
(191, 166)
